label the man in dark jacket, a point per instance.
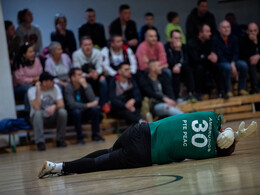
(82, 104)
(157, 87)
(94, 30)
(250, 52)
(125, 26)
(203, 59)
(199, 16)
(177, 59)
(124, 95)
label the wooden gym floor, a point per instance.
(236, 174)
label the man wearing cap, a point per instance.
(47, 107)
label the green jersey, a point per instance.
(190, 135)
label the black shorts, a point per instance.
(136, 145)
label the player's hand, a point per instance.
(213, 57)
(234, 70)
(242, 132)
(92, 104)
(226, 138)
(51, 109)
(176, 69)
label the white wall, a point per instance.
(7, 106)
(107, 10)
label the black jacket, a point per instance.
(248, 48)
(130, 31)
(194, 21)
(198, 52)
(175, 57)
(147, 89)
(119, 101)
(67, 42)
(95, 31)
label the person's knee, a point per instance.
(76, 112)
(242, 65)
(95, 111)
(62, 113)
(226, 67)
(38, 114)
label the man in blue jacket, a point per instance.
(227, 52)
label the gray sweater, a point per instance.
(87, 95)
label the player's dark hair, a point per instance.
(225, 152)
(201, 1)
(171, 15)
(174, 31)
(72, 71)
(149, 14)
(123, 7)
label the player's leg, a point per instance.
(114, 160)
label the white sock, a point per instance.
(58, 167)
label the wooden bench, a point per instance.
(235, 108)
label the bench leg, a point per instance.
(12, 142)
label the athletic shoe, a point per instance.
(61, 144)
(47, 169)
(81, 141)
(230, 94)
(97, 137)
(243, 92)
(41, 146)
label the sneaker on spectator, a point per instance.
(47, 169)
(106, 108)
(61, 144)
(243, 92)
(81, 141)
(223, 95)
(97, 137)
(41, 146)
(181, 101)
(191, 98)
(230, 94)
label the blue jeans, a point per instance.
(163, 109)
(20, 93)
(103, 92)
(100, 89)
(92, 113)
(226, 71)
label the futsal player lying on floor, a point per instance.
(173, 139)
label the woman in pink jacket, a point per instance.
(27, 69)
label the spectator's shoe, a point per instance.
(230, 94)
(243, 92)
(41, 146)
(106, 108)
(97, 137)
(223, 95)
(61, 144)
(81, 141)
(191, 98)
(47, 169)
